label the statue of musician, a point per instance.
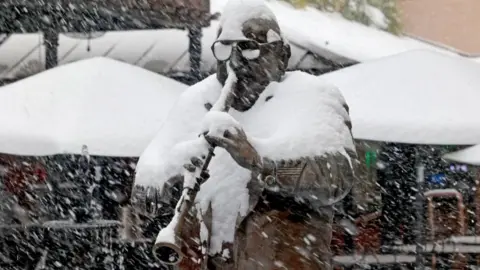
(285, 154)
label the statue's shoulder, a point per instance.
(303, 82)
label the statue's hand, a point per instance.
(222, 130)
(195, 164)
(235, 142)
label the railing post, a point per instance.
(50, 40)
(195, 51)
(420, 210)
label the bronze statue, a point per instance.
(284, 155)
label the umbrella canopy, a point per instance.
(416, 97)
(111, 107)
(470, 155)
(166, 50)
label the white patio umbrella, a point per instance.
(470, 155)
(111, 107)
(417, 97)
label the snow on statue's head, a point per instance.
(250, 41)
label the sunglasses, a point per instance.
(250, 49)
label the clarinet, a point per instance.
(168, 247)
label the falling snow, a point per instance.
(99, 142)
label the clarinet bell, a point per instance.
(168, 253)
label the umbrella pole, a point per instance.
(477, 202)
(477, 207)
(92, 209)
(419, 210)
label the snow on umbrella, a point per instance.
(470, 155)
(111, 107)
(416, 97)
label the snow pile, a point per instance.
(470, 155)
(279, 128)
(419, 97)
(113, 108)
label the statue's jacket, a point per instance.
(301, 123)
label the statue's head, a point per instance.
(250, 41)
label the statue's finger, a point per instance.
(190, 167)
(217, 141)
(240, 132)
(196, 161)
(227, 134)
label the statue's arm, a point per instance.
(320, 180)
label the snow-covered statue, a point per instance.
(283, 155)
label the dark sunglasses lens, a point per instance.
(248, 45)
(250, 49)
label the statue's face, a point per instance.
(259, 56)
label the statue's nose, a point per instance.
(237, 60)
(236, 52)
